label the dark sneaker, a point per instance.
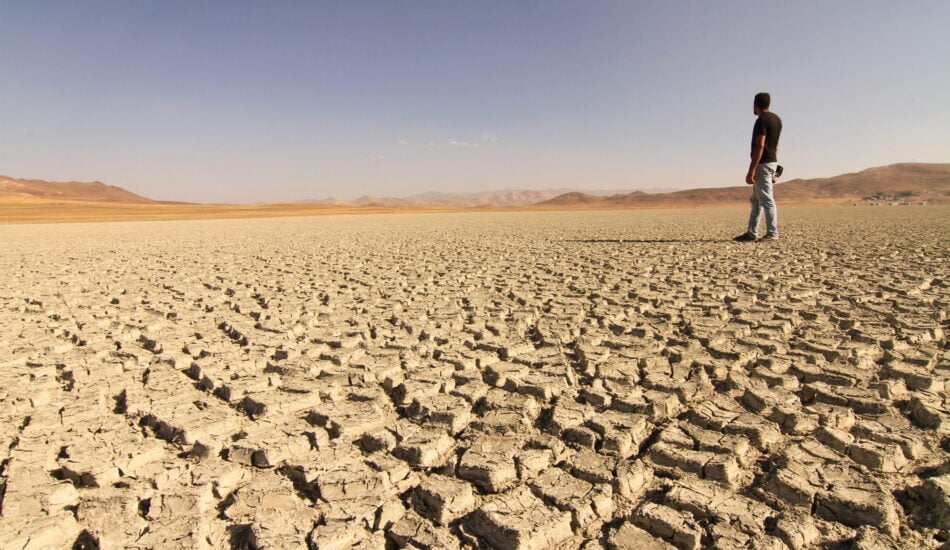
(745, 238)
(769, 238)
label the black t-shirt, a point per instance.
(769, 125)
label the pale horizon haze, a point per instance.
(274, 101)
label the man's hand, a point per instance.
(758, 148)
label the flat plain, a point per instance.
(519, 380)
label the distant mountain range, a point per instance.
(504, 197)
(907, 182)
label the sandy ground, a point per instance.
(513, 380)
(48, 211)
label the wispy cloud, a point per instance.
(463, 144)
(489, 137)
(402, 142)
(377, 158)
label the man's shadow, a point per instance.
(646, 241)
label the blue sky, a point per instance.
(268, 101)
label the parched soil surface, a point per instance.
(498, 380)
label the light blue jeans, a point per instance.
(763, 200)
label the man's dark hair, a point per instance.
(763, 100)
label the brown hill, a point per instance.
(12, 189)
(914, 182)
(574, 199)
(896, 179)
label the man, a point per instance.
(761, 174)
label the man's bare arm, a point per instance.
(758, 148)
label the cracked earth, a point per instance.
(495, 380)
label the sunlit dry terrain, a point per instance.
(45, 211)
(609, 379)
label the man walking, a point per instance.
(761, 174)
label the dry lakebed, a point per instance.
(513, 380)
